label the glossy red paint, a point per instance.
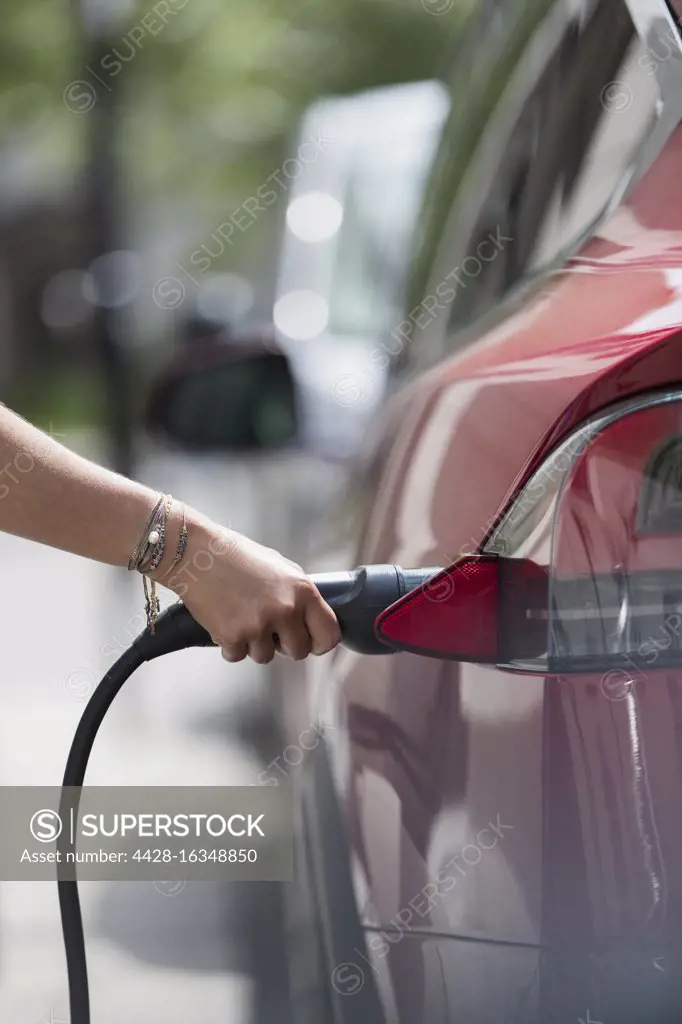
(487, 807)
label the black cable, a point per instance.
(175, 630)
(356, 597)
(74, 774)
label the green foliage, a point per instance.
(208, 92)
(63, 397)
(211, 89)
(38, 50)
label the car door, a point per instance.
(484, 808)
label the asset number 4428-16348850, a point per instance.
(197, 856)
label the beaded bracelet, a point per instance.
(156, 548)
(149, 551)
(148, 555)
(137, 554)
(182, 544)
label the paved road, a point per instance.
(153, 957)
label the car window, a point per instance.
(569, 100)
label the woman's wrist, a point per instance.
(175, 541)
(198, 549)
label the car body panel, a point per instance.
(433, 978)
(527, 789)
(513, 839)
(600, 330)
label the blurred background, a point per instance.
(185, 185)
(130, 133)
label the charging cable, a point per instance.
(357, 598)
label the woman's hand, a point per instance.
(251, 599)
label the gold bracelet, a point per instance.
(152, 604)
(182, 544)
(136, 556)
(157, 540)
(148, 555)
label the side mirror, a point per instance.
(225, 399)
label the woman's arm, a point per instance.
(244, 593)
(52, 495)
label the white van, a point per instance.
(348, 233)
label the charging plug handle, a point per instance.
(357, 597)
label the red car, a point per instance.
(490, 831)
(497, 838)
